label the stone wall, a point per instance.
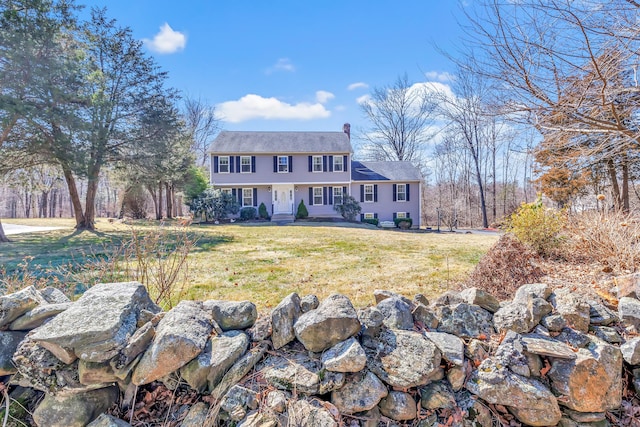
(545, 358)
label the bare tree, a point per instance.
(202, 125)
(401, 116)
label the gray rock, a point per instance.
(398, 406)
(628, 285)
(601, 315)
(181, 335)
(464, 320)
(573, 308)
(606, 333)
(296, 372)
(238, 401)
(330, 381)
(481, 298)
(528, 399)
(424, 316)
(276, 400)
(53, 295)
(592, 382)
(220, 353)
(554, 322)
(420, 299)
(36, 317)
(9, 342)
(308, 303)
(477, 351)
(136, 344)
(259, 419)
(346, 356)
(631, 351)
(239, 370)
(402, 358)
(585, 417)
(447, 298)
(303, 413)
(197, 415)
(105, 420)
(361, 392)
(533, 290)
(371, 320)
(333, 321)
(74, 410)
(545, 346)
(456, 375)
(231, 315)
(573, 338)
(90, 373)
(16, 304)
(282, 319)
(397, 313)
(437, 396)
(98, 325)
(629, 311)
(521, 315)
(261, 330)
(510, 353)
(451, 347)
(381, 295)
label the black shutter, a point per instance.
(395, 215)
(234, 193)
(344, 163)
(407, 190)
(330, 195)
(395, 191)
(240, 196)
(324, 163)
(361, 193)
(310, 196)
(361, 217)
(375, 192)
(253, 164)
(324, 195)
(255, 197)
(344, 192)
(330, 163)
(408, 215)
(275, 164)
(215, 164)
(237, 164)
(375, 215)
(231, 164)
(290, 164)
(310, 163)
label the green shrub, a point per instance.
(537, 226)
(302, 211)
(214, 205)
(349, 208)
(373, 221)
(398, 221)
(262, 211)
(247, 213)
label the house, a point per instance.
(280, 169)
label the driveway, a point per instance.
(19, 229)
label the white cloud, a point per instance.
(362, 99)
(167, 40)
(322, 96)
(436, 76)
(253, 106)
(358, 85)
(283, 64)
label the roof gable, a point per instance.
(241, 142)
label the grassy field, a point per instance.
(264, 263)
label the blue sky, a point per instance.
(291, 65)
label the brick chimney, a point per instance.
(346, 128)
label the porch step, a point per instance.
(281, 219)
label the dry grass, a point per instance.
(264, 263)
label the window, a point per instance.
(401, 193)
(317, 196)
(338, 164)
(247, 197)
(283, 164)
(245, 164)
(369, 215)
(337, 195)
(368, 193)
(317, 163)
(226, 191)
(401, 215)
(223, 164)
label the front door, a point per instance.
(282, 198)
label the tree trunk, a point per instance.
(3, 237)
(90, 201)
(76, 205)
(169, 198)
(159, 210)
(614, 184)
(625, 184)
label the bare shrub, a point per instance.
(609, 238)
(507, 265)
(40, 277)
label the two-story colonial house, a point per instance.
(281, 168)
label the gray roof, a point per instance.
(384, 171)
(228, 142)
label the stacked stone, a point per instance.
(544, 358)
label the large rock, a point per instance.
(464, 320)
(631, 351)
(628, 286)
(592, 382)
(601, 315)
(53, 295)
(533, 290)
(333, 321)
(545, 346)
(402, 358)
(396, 312)
(16, 304)
(97, 326)
(220, 353)
(238, 401)
(398, 406)
(629, 311)
(437, 395)
(181, 335)
(451, 347)
(481, 298)
(75, 410)
(282, 319)
(296, 372)
(105, 420)
(230, 315)
(197, 415)
(303, 413)
(521, 315)
(362, 392)
(8, 345)
(346, 356)
(528, 399)
(573, 308)
(36, 317)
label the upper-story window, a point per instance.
(223, 164)
(245, 164)
(401, 193)
(283, 164)
(368, 192)
(317, 164)
(338, 164)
